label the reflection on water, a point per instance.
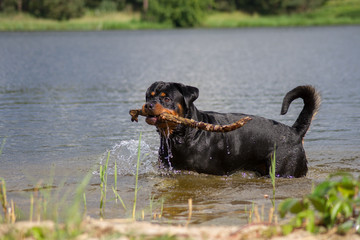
(65, 97)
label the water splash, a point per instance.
(166, 144)
(125, 154)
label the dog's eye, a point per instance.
(167, 99)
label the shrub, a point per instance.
(108, 6)
(9, 6)
(181, 13)
(57, 9)
(278, 6)
(333, 203)
(225, 5)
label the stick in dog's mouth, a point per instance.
(188, 122)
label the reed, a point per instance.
(115, 180)
(85, 205)
(190, 211)
(136, 178)
(103, 185)
(254, 215)
(8, 208)
(118, 197)
(151, 203)
(272, 174)
(251, 212)
(74, 215)
(3, 199)
(114, 188)
(31, 207)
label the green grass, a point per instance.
(136, 178)
(272, 173)
(335, 12)
(103, 184)
(90, 22)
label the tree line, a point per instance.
(181, 13)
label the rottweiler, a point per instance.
(250, 147)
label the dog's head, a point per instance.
(173, 98)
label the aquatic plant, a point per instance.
(3, 200)
(8, 210)
(272, 175)
(136, 178)
(103, 184)
(190, 211)
(333, 203)
(114, 188)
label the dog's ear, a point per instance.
(190, 94)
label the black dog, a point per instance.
(247, 148)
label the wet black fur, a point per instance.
(247, 148)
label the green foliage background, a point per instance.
(57, 9)
(271, 7)
(180, 13)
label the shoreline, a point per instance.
(146, 26)
(334, 13)
(91, 228)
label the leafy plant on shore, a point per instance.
(333, 203)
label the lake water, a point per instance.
(65, 97)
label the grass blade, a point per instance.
(272, 174)
(136, 177)
(103, 185)
(118, 197)
(3, 198)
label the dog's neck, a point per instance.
(169, 143)
(194, 113)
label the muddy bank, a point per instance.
(127, 229)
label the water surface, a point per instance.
(65, 97)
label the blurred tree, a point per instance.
(11, 6)
(92, 4)
(181, 13)
(277, 6)
(57, 9)
(106, 5)
(225, 5)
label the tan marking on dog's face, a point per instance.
(152, 93)
(162, 94)
(180, 110)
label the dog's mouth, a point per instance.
(153, 111)
(152, 120)
(153, 117)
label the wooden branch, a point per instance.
(192, 123)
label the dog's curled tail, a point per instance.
(312, 102)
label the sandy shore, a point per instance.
(125, 229)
